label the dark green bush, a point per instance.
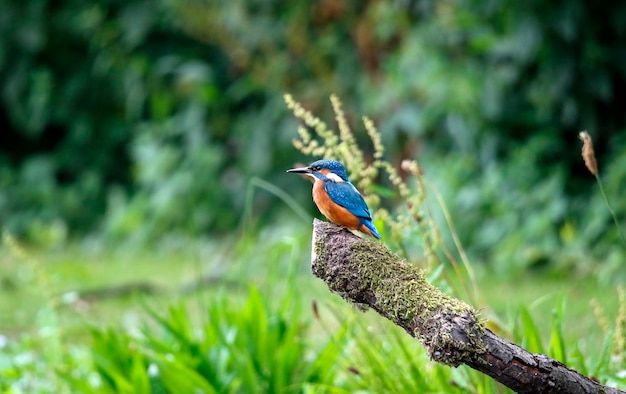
(143, 119)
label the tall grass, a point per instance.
(235, 349)
(265, 339)
(589, 157)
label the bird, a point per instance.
(337, 198)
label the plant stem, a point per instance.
(611, 211)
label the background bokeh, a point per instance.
(151, 241)
(132, 120)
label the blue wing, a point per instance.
(346, 195)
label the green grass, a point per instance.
(539, 295)
(252, 328)
(58, 276)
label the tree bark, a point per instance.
(365, 272)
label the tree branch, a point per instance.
(365, 272)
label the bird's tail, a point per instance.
(368, 228)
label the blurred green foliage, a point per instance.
(261, 324)
(253, 342)
(245, 350)
(140, 119)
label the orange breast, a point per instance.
(334, 212)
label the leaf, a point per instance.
(531, 336)
(557, 342)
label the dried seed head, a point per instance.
(354, 370)
(316, 312)
(411, 167)
(587, 152)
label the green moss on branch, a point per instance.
(365, 272)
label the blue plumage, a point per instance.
(333, 166)
(346, 195)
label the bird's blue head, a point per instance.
(325, 170)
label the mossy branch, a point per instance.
(365, 272)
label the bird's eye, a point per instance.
(315, 168)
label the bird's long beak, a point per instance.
(301, 170)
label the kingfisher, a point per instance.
(337, 198)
